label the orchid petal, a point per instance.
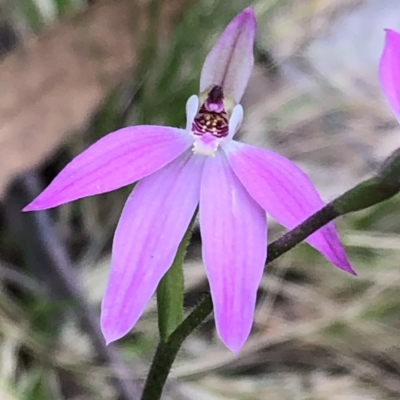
(152, 224)
(234, 236)
(235, 121)
(389, 71)
(230, 62)
(116, 160)
(285, 192)
(192, 106)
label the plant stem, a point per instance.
(363, 195)
(171, 289)
(292, 238)
(167, 351)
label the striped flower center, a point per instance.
(210, 125)
(215, 123)
(212, 117)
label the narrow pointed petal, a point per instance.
(285, 192)
(230, 62)
(152, 224)
(116, 160)
(389, 71)
(192, 106)
(234, 236)
(235, 122)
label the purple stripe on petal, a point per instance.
(152, 224)
(116, 160)
(285, 192)
(234, 236)
(230, 61)
(389, 71)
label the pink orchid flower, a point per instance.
(234, 185)
(389, 71)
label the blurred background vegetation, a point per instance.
(73, 70)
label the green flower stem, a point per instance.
(171, 289)
(292, 238)
(167, 351)
(364, 195)
(170, 299)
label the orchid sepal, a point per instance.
(389, 71)
(230, 62)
